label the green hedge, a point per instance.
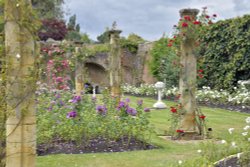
(225, 53)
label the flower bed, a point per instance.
(63, 116)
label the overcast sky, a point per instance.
(147, 18)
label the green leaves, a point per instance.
(164, 65)
(225, 53)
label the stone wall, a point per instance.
(135, 67)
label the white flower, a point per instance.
(248, 139)
(238, 155)
(180, 162)
(230, 130)
(223, 141)
(233, 144)
(199, 151)
(246, 127)
(248, 120)
(18, 56)
(244, 133)
(17, 5)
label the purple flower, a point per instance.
(140, 102)
(86, 86)
(75, 99)
(61, 102)
(71, 114)
(127, 100)
(121, 105)
(131, 111)
(146, 109)
(101, 110)
(58, 96)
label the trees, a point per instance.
(48, 9)
(52, 28)
(104, 37)
(73, 30)
(164, 65)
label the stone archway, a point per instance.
(96, 75)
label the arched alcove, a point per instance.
(97, 75)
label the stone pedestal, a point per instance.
(159, 104)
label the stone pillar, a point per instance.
(188, 74)
(79, 80)
(21, 79)
(115, 63)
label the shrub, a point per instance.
(52, 28)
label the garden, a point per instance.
(65, 102)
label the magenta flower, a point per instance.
(59, 79)
(71, 114)
(146, 109)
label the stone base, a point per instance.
(189, 135)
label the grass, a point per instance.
(170, 151)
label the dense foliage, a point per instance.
(225, 53)
(164, 65)
(131, 42)
(48, 9)
(222, 50)
(104, 37)
(52, 28)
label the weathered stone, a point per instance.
(20, 60)
(187, 83)
(115, 63)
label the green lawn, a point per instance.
(168, 153)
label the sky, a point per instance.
(146, 18)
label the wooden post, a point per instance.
(20, 55)
(188, 74)
(115, 63)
